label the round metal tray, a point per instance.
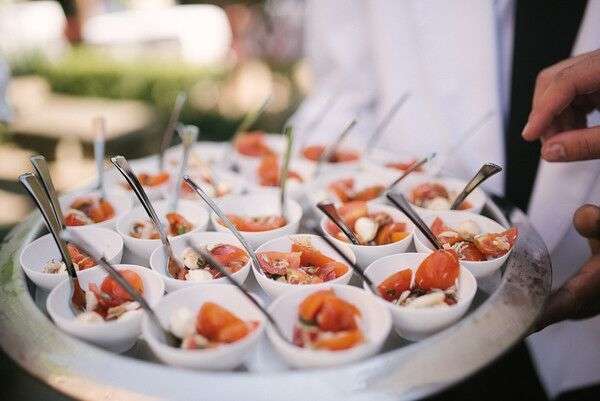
(403, 371)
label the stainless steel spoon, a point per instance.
(385, 121)
(38, 193)
(208, 200)
(40, 165)
(401, 203)
(76, 238)
(214, 263)
(99, 126)
(411, 169)
(170, 129)
(485, 172)
(330, 211)
(173, 264)
(283, 175)
(330, 150)
(188, 135)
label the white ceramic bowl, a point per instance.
(454, 186)
(193, 211)
(247, 165)
(319, 189)
(454, 219)
(39, 252)
(376, 325)
(121, 203)
(257, 204)
(416, 324)
(115, 182)
(118, 335)
(275, 288)
(367, 254)
(223, 357)
(158, 259)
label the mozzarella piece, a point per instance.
(438, 203)
(182, 323)
(190, 259)
(366, 229)
(91, 302)
(435, 298)
(89, 317)
(198, 275)
(55, 267)
(468, 229)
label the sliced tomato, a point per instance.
(178, 224)
(71, 219)
(212, 318)
(310, 306)
(465, 205)
(339, 268)
(394, 285)
(342, 188)
(369, 193)
(439, 270)
(310, 256)
(384, 235)
(336, 315)
(230, 256)
(153, 180)
(468, 251)
(252, 144)
(80, 258)
(268, 171)
(340, 341)
(264, 223)
(233, 332)
(313, 152)
(403, 166)
(438, 226)
(340, 156)
(497, 244)
(277, 263)
(117, 293)
(427, 191)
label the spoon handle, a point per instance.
(283, 176)
(188, 135)
(207, 199)
(170, 130)
(41, 167)
(214, 263)
(485, 172)
(330, 150)
(411, 169)
(385, 121)
(76, 238)
(330, 211)
(401, 203)
(99, 124)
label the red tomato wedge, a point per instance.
(313, 152)
(310, 256)
(252, 144)
(390, 233)
(468, 251)
(117, 293)
(497, 244)
(341, 341)
(428, 191)
(178, 224)
(213, 318)
(394, 285)
(153, 180)
(277, 263)
(439, 270)
(311, 305)
(81, 259)
(229, 255)
(265, 223)
(337, 315)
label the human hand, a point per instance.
(564, 94)
(579, 297)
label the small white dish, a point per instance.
(454, 186)
(275, 288)
(223, 357)
(247, 165)
(259, 204)
(115, 182)
(367, 254)
(375, 324)
(120, 202)
(118, 335)
(193, 211)
(158, 259)
(417, 324)
(454, 219)
(36, 254)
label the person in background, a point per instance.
(4, 77)
(459, 60)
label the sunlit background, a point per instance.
(126, 60)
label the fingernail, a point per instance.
(525, 128)
(554, 152)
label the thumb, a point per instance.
(582, 144)
(586, 221)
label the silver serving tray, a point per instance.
(505, 308)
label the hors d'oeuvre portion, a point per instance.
(81, 261)
(327, 322)
(213, 326)
(195, 268)
(268, 172)
(150, 180)
(253, 144)
(435, 196)
(403, 166)
(86, 210)
(256, 223)
(434, 285)
(371, 228)
(345, 190)
(471, 244)
(144, 228)
(212, 188)
(315, 152)
(304, 264)
(110, 301)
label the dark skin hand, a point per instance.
(564, 94)
(579, 297)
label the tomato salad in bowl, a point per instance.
(435, 194)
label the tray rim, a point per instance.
(29, 338)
